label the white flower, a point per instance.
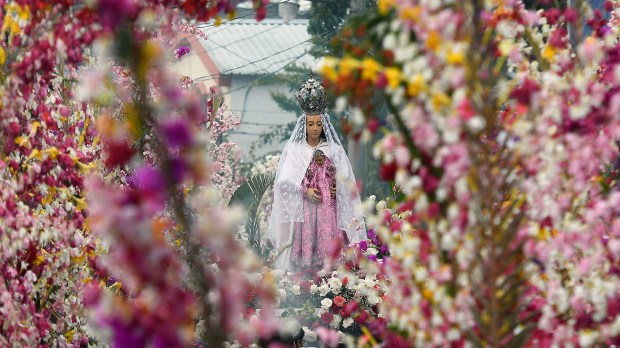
(381, 205)
(309, 335)
(347, 322)
(324, 290)
(326, 303)
(313, 289)
(587, 338)
(334, 283)
(373, 299)
(296, 289)
(370, 282)
(336, 321)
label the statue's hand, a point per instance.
(314, 195)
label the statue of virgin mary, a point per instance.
(316, 205)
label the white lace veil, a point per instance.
(288, 196)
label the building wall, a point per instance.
(258, 111)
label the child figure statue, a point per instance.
(313, 241)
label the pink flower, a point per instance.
(181, 51)
(339, 301)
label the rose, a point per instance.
(335, 284)
(326, 303)
(347, 322)
(349, 308)
(339, 301)
(324, 290)
(313, 289)
(296, 289)
(327, 317)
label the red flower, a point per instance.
(349, 308)
(387, 172)
(327, 317)
(118, 153)
(523, 93)
(362, 318)
(339, 301)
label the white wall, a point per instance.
(258, 111)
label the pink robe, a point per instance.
(315, 237)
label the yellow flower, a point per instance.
(35, 153)
(347, 64)
(80, 203)
(329, 72)
(86, 226)
(427, 294)
(22, 141)
(52, 153)
(38, 260)
(23, 12)
(416, 85)
(69, 335)
(385, 6)
(505, 47)
(433, 41)
(35, 126)
(2, 56)
(440, 100)
(549, 53)
(411, 13)
(85, 168)
(370, 69)
(83, 134)
(393, 76)
(455, 57)
(47, 199)
(327, 68)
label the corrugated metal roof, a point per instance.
(248, 47)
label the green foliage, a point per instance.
(249, 196)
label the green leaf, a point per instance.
(249, 196)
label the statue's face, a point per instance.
(314, 127)
(319, 158)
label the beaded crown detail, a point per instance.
(311, 97)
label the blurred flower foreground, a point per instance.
(501, 146)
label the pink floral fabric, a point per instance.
(316, 235)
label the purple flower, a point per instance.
(384, 249)
(177, 133)
(126, 336)
(114, 12)
(371, 234)
(363, 245)
(181, 51)
(150, 181)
